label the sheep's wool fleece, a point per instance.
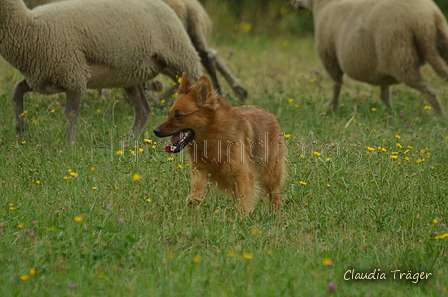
(59, 44)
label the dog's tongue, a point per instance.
(173, 142)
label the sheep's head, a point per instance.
(302, 4)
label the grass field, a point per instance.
(366, 192)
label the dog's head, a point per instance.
(191, 114)
(302, 4)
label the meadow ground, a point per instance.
(366, 192)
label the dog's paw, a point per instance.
(193, 201)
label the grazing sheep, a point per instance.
(198, 25)
(74, 45)
(381, 42)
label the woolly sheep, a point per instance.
(198, 25)
(381, 42)
(74, 45)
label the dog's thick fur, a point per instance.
(239, 148)
(381, 42)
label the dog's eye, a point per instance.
(177, 115)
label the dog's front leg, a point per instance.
(243, 191)
(197, 186)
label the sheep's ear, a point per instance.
(184, 84)
(203, 89)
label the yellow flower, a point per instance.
(287, 136)
(327, 261)
(136, 177)
(296, 105)
(397, 136)
(52, 228)
(420, 160)
(180, 166)
(65, 177)
(20, 226)
(442, 236)
(24, 277)
(94, 188)
(427, 107)
(373, 109)
(170, 255)
(370, 148)
(410, 147)
(254, 231)
(328, 159)
(290, 100)
(170, 159)
(446, 138)
(132, 152)
(147, 140)
(38, 182)
(140, 150)
(394, 157)
(247, 256)
(196, 259)
(398, 145)
(231, 254)
(148, 200)
(33, 271)
(98, 110)
(92, 169)
(394, 153)
(73, 174)
(284, 44)
(435, 221)
(119, 152)
(328, 185)
(317, 154)
(78, 219)
(303, 183)
(268, 252)
(52, 110)
(311, 80)
(23, 142)
(101, 274)
(153, 147)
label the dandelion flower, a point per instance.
(119, 152)
(73, 174)
(147, 140)
(427, 107)
(196, 259)
(136, 177)
(328, 185)
(269, 252)
(296, 105)
(398, 145)
(78, 219)
(33, 271)
(317, 154)
(254, 231)
(92, 169)
(311, 80)
(287, 136)
(247, 256)
(20, 226)
(373, 109)
(101, 274)
(303, 183)
(148, 200)
(94, 188)
(231, 254)
(393, 157)
(397, 136)
(180, 166)
(290, 100)
(24, 277)
(371, 149)
(327, 261)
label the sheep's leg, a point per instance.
(136, 96)
(19, 90)
(236, 85)
(385, 96)
(207, 59)
(72, 113)
(427, 92)
(334, 103)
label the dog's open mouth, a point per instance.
(179, 141)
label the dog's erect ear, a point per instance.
(203, 89)
(184, 84)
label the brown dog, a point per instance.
(239, 148)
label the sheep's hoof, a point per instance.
(240, 92)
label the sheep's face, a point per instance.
(302, 4)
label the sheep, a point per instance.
(197, 23)
(380, 42)
(74, 45)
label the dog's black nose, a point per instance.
(157, 132)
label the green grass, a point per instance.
(362, 209)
